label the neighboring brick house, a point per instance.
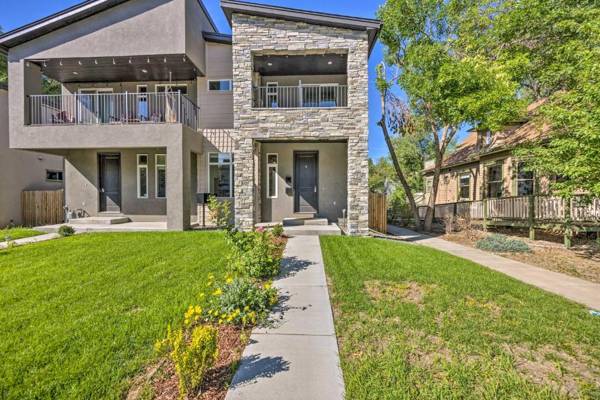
(22, 170)
(157, 106)
(483, 166)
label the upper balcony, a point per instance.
(300, 81)
(95, 107)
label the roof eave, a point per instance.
(372, 26)
(220, 38)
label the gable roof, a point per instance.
(63, 18)
(372, 26)
(470, 149)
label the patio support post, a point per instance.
(531, 217)
(485, 214)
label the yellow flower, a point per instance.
(229, 281)
(267, 285)
(217, 292)
(247, 308)
(220, 321)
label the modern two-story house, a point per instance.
(157, 106)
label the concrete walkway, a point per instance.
(31, 239)
(578, 290)
(296, 356)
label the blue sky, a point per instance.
(20, 12)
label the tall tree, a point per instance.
(3, 66)
(552, 48)
(446, 88)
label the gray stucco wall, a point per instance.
(216, 108)
(259, 35)
(21, 170)
(332, 179)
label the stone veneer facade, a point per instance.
(260, 35)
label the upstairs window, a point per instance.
(220, 174)
(221, 85)
(525, 181)
(54, 176)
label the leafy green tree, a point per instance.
(3, 66)
(552, 49)
(445, 88)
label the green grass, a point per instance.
(17, 233)
(79, 315)
(416, 323)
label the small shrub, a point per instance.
(502, 244)
(220, 212)
(191, 358)
(66, 230)
(255, 255)
(277, 230)
(238, 301)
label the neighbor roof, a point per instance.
(372, 26)
(63, 18)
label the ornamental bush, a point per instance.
(502, 244)
(66, 230)
(191, 358)
(239, 301)
(277, 230)
(254, 255)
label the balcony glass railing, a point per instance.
(113, 108)
(305, 96)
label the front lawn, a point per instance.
(414, 322)
(17, 233)
(79, 315)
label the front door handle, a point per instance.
(315, 189)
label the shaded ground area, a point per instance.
(79, 315)
(581, 261)
(414, 322)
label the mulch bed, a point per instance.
(164, 383)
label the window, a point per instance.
(525, 183)
(161, 176)
(142, 176)
(429, 185)
(54, 176)
(272, 161)
(222, 85)
(464, 187)
(495, 184)
(220, 174)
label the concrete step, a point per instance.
(103, 220)
(312, 230)
(305, 221)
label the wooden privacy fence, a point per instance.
(42, 207)
(378, 212)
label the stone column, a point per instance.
(244, 183)
(178, 186)
(358, 186)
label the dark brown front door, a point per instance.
(110, 182)
(306, 193)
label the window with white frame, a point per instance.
(220, 85)
(272, 94)
(142, 176)
(161, 176)
(272, 165)
(525, 180)
(220, 174)
(464, 186)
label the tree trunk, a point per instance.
(400, 174)
(434, 191)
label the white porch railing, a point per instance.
(113, 108)
(305, 96)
